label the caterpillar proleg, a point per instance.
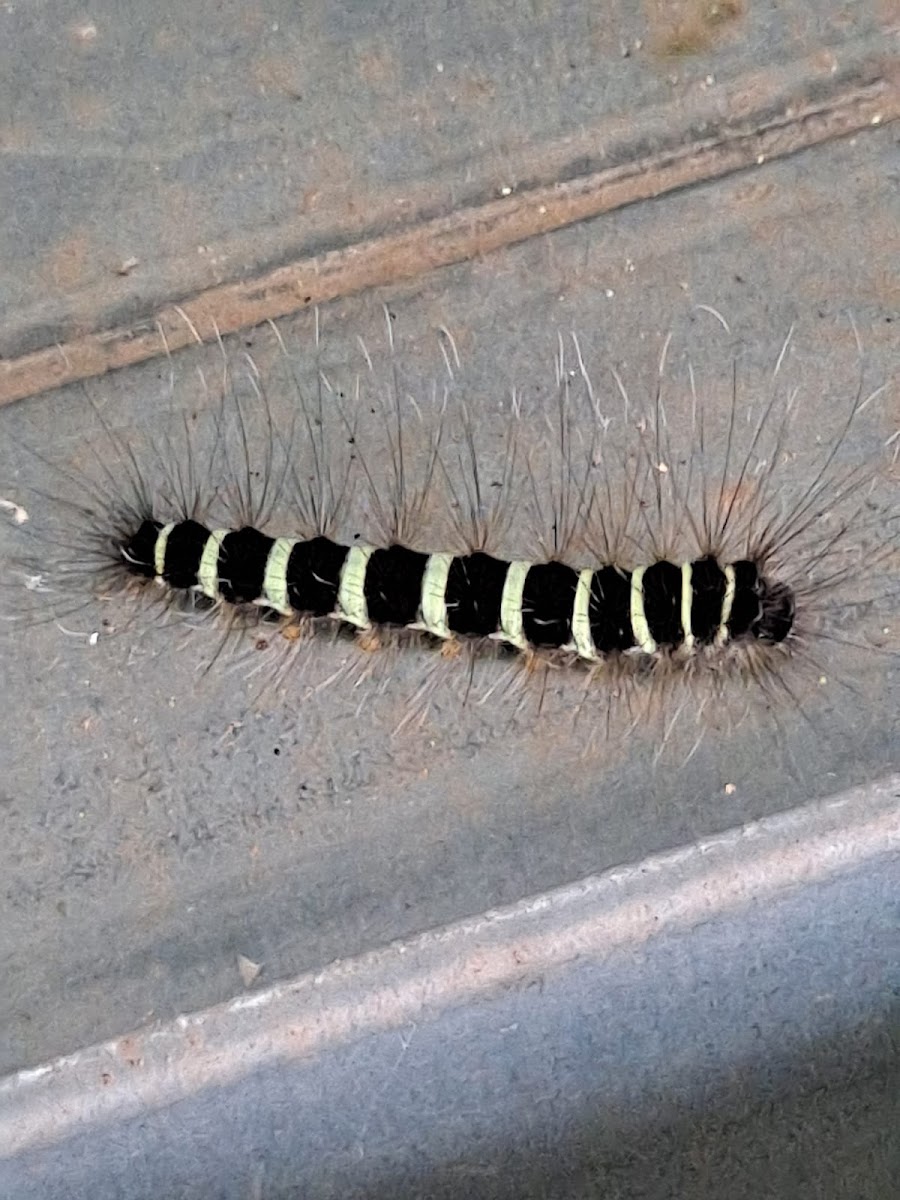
(664, 541)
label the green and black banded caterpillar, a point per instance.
(685, 543)
(590, 613)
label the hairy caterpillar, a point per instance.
(173, 764)
(663, 550)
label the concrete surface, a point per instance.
(151, 832)
(347, 148)
(682, 1027)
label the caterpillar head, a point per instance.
(777, 610)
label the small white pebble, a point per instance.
(19, 514)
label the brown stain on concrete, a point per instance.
(678, 28)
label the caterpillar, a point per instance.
(528, 605)
(659, 565)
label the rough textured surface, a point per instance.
(163, 828)
(154, 833)
(162, 156)
(680, 1027)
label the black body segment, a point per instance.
(609, 610)
(764, 610)
(708, 585)
(473, 595)
(548, 602)
(746, 609)
(242, 565)
(393, 586)
(314, 576)
(139, 552)
(662, 603)
(184, 549)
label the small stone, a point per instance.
(248, 970)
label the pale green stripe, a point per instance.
(159, 549)
(582, 640)
(639, 627)
(351, 606)
(275, 589)
(208, 574)
(511, 624)
(727, 604)
(687, 596)
(433, 611)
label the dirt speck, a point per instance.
(129, 1051)
(83, 33)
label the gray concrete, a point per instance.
(681, 1027)
(151, 834)
(206, 144)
